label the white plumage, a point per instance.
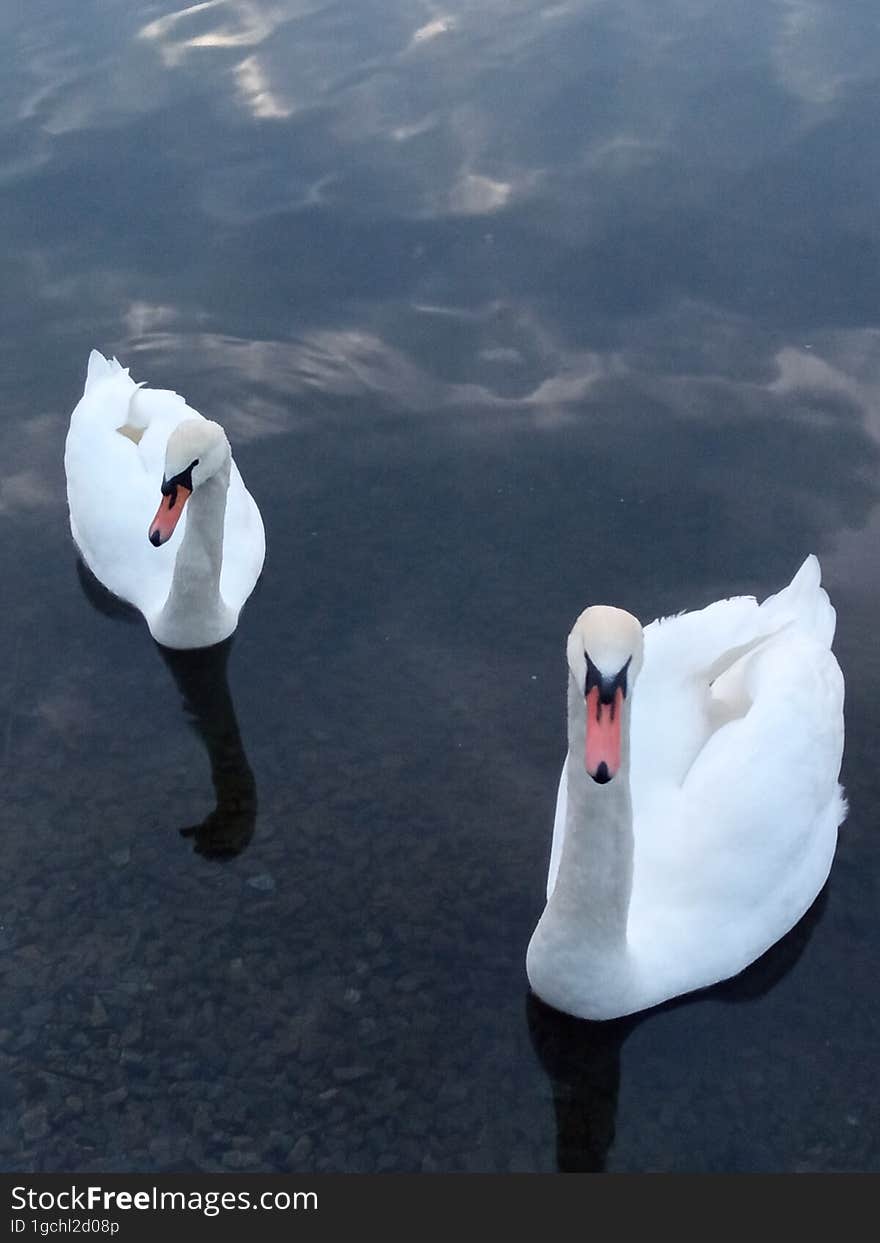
(735, 745)
(115, 461)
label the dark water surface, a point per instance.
(507, 307)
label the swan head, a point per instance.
(605, 650)
(197, 449)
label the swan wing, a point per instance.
(113, 491)
(691, 683)
(728, 861)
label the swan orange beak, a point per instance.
(168, 514)
(604, 718)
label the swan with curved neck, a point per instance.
(697, 814)
(190, 565)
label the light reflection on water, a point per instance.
(505, 307)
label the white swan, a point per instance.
(133, 458)
(698, 806)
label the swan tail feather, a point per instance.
(101, 368)
(804, 602)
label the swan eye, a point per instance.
(608, 687)
(183, 477)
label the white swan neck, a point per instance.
(200, 556)
(578, 959)
(594, 884)
(194, 613)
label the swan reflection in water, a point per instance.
(202, 681)
(582, 1058)
(201, 678)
